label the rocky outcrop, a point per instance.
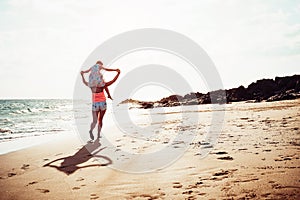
(280, 88)
(237, 94)
(286, 95)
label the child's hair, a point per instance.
(99, 62)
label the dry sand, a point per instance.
(256, 157)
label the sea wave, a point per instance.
(5, 130)
(27, 118)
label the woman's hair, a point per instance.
(99, 62)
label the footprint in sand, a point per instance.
(225, 158)
(278, 159)
(177, 185)
(221, 173)
(80, 179)
(207, 147)
(267, 150)
(75, 188)
(147, 196)
(287, 158)
(188, 192)
(221, 153)
(94, 196)
(31, 183)
(43, 190)
(10, 174)
(25, 166)
(199, 183)
(265, 194)
(246, 180)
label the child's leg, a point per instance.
(107, 92)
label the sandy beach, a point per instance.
(256, 157)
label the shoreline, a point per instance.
(31, 141)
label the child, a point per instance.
(96, 78)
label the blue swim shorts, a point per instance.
(97, 106)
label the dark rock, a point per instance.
(192, 102)
(205, 99)
(218, 96)
(282, 88)
(193, 95)
(147, 105)
(172, 98)
(130, 101)
(287, 95)
(262, 89)
(237, 94)
(288, 83)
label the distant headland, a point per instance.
(280, 88)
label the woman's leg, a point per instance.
(100, 121)
(94, 122)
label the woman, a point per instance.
(99, 101)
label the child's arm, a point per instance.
(107, 92)
(86, 71)
(83, 79)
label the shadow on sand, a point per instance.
(70, 163)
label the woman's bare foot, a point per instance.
(91, 135)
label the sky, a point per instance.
(44, 43)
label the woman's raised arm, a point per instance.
(85, 71)
(107, 69)
(83, 79)
(114, 79)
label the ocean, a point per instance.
(34, 117)
(29, 122)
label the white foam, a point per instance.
(26, 142)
